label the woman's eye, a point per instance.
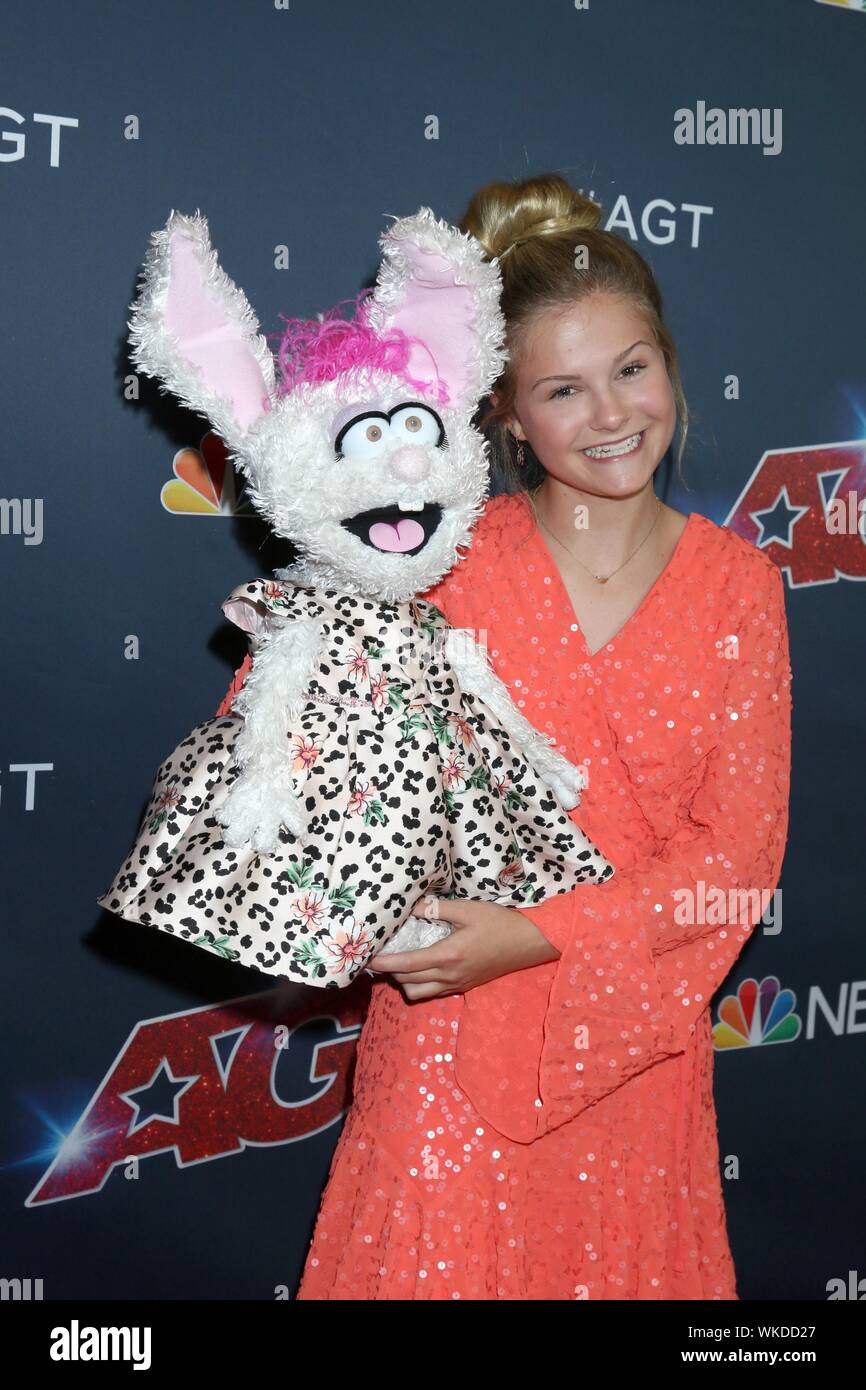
(416, 424)
(633, 368)
(363, 438)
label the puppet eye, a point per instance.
(417, 424)
(363, 437)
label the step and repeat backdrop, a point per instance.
(153, 1144)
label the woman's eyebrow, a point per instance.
(575, 376)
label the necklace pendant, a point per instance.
(602, 581)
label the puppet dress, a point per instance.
(407, 783)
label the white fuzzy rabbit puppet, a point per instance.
(372, 754)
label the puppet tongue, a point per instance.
(405, 535)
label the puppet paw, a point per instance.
(253, 812)
(564, 779)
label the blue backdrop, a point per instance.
(302, 125)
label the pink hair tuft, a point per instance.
(320, 349)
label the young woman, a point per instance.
(533, 1112)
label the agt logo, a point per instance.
(764, 1013)
(207, 1083)
(806, 508)
(24, 791)
(657, 220)
(18, 138)
(272, 1068)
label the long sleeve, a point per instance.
(642, 955)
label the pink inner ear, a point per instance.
(246, 614)
(209, 338)
(442, 315)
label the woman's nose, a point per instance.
(409, 464)
(608, 413)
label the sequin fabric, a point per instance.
(553, 1134)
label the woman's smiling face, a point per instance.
(591, 375)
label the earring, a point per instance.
(520, 459)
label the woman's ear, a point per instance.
(510, 421)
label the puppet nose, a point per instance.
(409, 464)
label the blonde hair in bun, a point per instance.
(531, 227)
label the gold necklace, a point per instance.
(601, 579)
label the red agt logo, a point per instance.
(268, 1068)
(805, 508)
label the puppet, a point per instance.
(372, 755)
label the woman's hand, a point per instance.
(487, 941)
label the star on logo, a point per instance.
(160, 1097)
(777, 522)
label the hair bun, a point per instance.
(551, 226)
(503, 216)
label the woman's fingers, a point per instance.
(418, 977)
(432, 991)
(426, 958)
(427, 967)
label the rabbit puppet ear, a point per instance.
(194, 330)
(436, 286)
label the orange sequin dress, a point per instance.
(552, 1134)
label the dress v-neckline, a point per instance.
(543, 553)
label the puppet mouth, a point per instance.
(394, 529)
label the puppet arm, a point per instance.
(477, 677)
(273, 693)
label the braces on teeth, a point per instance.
(603, 450)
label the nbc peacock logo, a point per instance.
(204, 482)
(845, 4)
(756, 1014)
